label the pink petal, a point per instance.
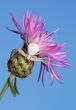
(41, 67)
(43, 75)
(55, 74)
(16, 23)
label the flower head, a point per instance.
(40, 46)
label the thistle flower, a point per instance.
(40, 46)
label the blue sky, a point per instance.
(33, 96)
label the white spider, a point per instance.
(30, 55)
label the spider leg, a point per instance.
(18, 50)
(13, 52)
(34, 58)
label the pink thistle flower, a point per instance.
(40, 46)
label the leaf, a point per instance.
(15, 86)
(12, 88)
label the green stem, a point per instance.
(15, 86)
(4, 90)
(12, 77)
(11, 85)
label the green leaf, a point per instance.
(15, 85)
(12, 88)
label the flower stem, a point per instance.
(11, 78)
(4, 90)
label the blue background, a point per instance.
(57, 13)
